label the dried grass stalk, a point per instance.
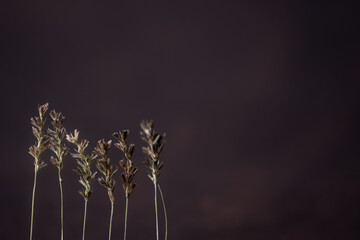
(107, 169)
(155, 143)
(84, 162)
(57, 135)
(129, 170)
(37, 150)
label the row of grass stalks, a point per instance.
(54, 137)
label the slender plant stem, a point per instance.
(62, 205)
(111, 217)
(32, 203)
(156, 211)
(126, 211)
(85, 208)
(163, 202)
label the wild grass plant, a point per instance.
(84, 162)
(36, 150)
(108, 170)
(155, 143)
(129, 170)
(57, 136)
(54, 139)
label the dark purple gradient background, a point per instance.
(260, 103)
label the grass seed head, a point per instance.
(105, 167)
(57, 134)
(129, 170)
(155, 143)
(84, 162)
(42, 143)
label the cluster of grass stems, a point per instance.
(54, 138)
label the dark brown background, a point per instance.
(259, 101)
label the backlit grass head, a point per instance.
(155, 143)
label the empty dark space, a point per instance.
(259, 101)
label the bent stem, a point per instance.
(163, 202)
(62, 205)
(156, 211)
(111, 217)
(126, 212)
(85, 208)
(32, 203)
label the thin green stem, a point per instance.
(111, 217)
(61, 206)
(163, 202)
(126, 212)
(32, 203)
(156, 210)
(85, 208)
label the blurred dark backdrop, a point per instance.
(259, 101)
